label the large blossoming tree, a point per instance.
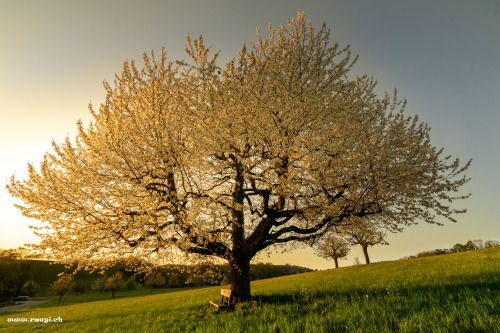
(276, 147)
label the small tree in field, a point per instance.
(131, 283)
(115, 282)
(192, 160)
(62, 285)
(491, 243)
(333, 246)
(155, 279)
(79, 287)
(364, 233)
(100, 283)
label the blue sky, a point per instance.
(442, 56)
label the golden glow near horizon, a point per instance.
(441, 56)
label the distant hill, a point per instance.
(44, 272)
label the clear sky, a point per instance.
(442, 56)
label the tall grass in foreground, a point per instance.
(450, 293)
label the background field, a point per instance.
(448, 293)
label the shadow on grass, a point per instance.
(451, 307)
(489, 287)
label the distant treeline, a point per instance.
(469, 246)
(209, 275)
(15, 275)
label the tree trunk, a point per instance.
(336, 262)
(240, 262)
(365, 252)
(240, 281)
(60, 297)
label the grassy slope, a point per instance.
(450, 293)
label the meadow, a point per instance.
(457, 292)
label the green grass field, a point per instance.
(449, 293)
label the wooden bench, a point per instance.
(223, 305)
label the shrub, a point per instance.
(30, 288)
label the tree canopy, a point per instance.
(62, 285)
(277, 146)
(332, 246)
(364, 232)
